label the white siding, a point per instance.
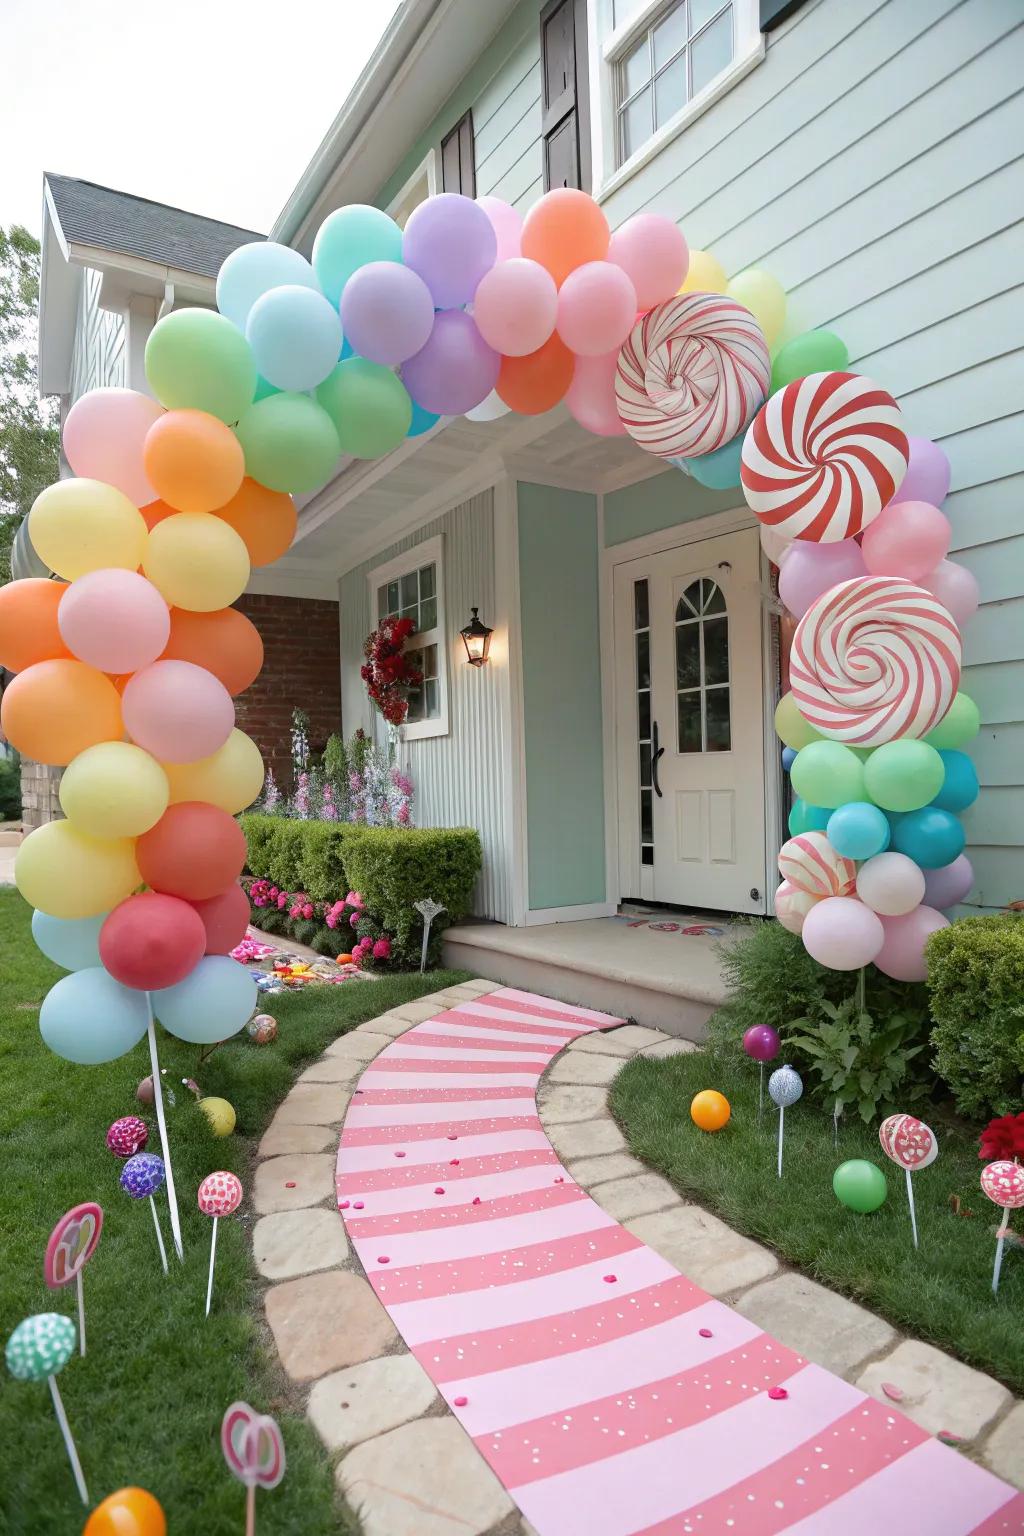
(98, 358)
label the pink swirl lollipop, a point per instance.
(810, 863)
(1003, 1183)
(220, 1194)
(912, 1145)
(253, 1447)
(72, 1244)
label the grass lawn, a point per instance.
(941, 1294)
(145, 1404)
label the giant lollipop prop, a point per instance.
(1003, 1183)
(141, 1177)
(219, 1195)
(761, 1044)
(911, 1145)
(72, 1244)
(785, 1087)
(38, 1348)
(253, 1448)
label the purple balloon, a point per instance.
(450, 242)
(761, 1042)
(812, 569)
(387, 312)
(927, 476)
(949, 884)
(456, 369)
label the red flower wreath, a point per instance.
(390, 676)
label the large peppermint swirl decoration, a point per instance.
(873, 659)
(809, 863)
(824, 456)
(691, 375)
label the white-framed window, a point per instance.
(423, 183)
(412, 587)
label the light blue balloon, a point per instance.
(858, 830)
(422, 421)
(788, 758)
(349, 238)
(720, 470)
(931, 837)
(960, 786)
(70, 942)
(346, 350)
(295, 337)
(251, 271)
(89, 1017)
(214, 1001)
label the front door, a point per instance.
(690, 724)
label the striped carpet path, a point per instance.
(607, 1391)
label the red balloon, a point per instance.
(195, 851)
(152, 941)
(226, 919)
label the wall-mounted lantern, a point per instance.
(477, 640)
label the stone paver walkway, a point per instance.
(404, 1461)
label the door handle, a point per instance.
(656, 753)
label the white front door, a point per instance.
(690, 724)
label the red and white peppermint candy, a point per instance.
(873, 659)
(792, 905)
(691, 374)
(824, 456)
(908, 1141)
(810, 863)
(1003, 1182)
(219, 1194)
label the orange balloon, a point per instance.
(55, 709)
(195, 851)
(225, 642)
(263, 518)
(563, 230)
(536, 382)
(710, 1110)
(128, 1512)
(193, 460)
(156, 511)
(28, 622)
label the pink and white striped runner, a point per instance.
(605, 1389)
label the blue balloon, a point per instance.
(89, 1017)
(720, 470)
(858, 830)
(807, 818)
(960, 786)
(931, 837)
(422, 421)
(347, 350)
(252, 270)
(295, 337)
(70, 942)
(213, 1002)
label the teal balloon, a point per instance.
(813, 352)
(807, 818)
(827, 773)
(214, 1001)
(860, 1185)
(70, 942)
(858, 830)
(263, 389)
(960, 786)
(89, 1017)
(903, 775)
(422, 421)
(197, 360)
(720, 470)
(348, 239)
(931, 837)
(289, 443)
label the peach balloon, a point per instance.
(197, 561)
(535, 383)
(114, 620)
(55, 709)
(264, 520)
(225, 642)
(591, 396)
(515, 306)
(155, 511)
(193, 460)
(104, 435)
(563, 230)
(178, 712)
(29, 631)
(596, 308)
(653, 253)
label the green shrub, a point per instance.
(976, 984)
(856, 1060)
(10, 789)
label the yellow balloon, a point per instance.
(77, 526)
(704, 274)
(791, 726)
(66, 874)
(197, 561)
(114, 790)
(232, 778)
(220, 1114)
(765, 297)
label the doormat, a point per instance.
(687, 925)
(606, 1390)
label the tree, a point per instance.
(29, 427)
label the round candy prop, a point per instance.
(873, 659)
(691, 374)
(127, 1136)
(823, 457)
(761, 1042)
(128, 1512)
(1003, 1183)
(220, 1114)
(72, 1244)
(141, 1177)
(710, 1110)
(252, 1446)
(262, 1029)
(38, 1348)
(912, 1145)
(811, 864)
(859, 1185)
(219, 1195)
(785, 1087)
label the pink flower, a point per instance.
(353, 920)
(382, 949)
(331, 920)
(282, 902)
(307, 911)
(274, 891)
(259, 901)
(353, 899)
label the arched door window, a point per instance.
(702, 668)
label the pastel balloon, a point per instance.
(928, 474)
(792, 905)
(456, 369)
(289, 442)
(858, 830)
(960, 784)
(348, 239)
(115, 620)
(704, 274)
(83, 525)
(890, 884)
(55, 709)
(930, 837)
(956, 589)
(252, 270)
(827, 773)
(597, 306)
(213, 1003)
(195, 851)
(197, 561)
(264, 520)
(948, 885)
(842, 933)
(67, 874)
(152, 941)
(516, 306)
(775, 545)
(907, 538)
(387, 312)
(231, 777)
(295, 336)
(225, 642)
(761, 1042)
(788, 759)
(177, 711)
(902, 955)
(450, 243)
(719, 470)
(89, 1018)
(197, 360)
(29, 628)
(813, 352)
(791, 726)
(860, 1185)
(194, 461)
(507, 224)
(653, 253)
(904, 775)
(103, 436)
(960, 724)
(813, 568)
(71, 943)
(129, 1511)
(421, 421)
(369, 406)
(564, 229)
(113, 790)
(764, 296)
(533, 384)
(590, 398)
(806, 818)
(492, 408)
(225, 920)
(809, 862)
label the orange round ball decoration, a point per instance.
(55, 709)
(193, 461)
(563, 230)
(28, 622)
(128, 1512)
(225, 642)
(710, 1110)
(536, 382)
(195, 851)
(265, 520)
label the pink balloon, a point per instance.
(902, 953)
(927, 476)
(775, 545)
(115, 620)
(591, 395)
(515, 306)
(103, 438)
(177, 712)
(842, 933)
(812, 569)
(653, 253)
(506, 223)
(948, 885)
(956, 589)
(596, 308)
(890, 884)
(907, 538)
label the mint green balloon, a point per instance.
(347, 239)
(828, 774)
(197, 360)
(860, 1185)
(369, 405)
(813, 352)
(903, 775)
(289, 443)
(960, 724)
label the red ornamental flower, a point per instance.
(1002, 1140)
(390, 676)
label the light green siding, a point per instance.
(661, 502)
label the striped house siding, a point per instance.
(98, 356)
(460, 779)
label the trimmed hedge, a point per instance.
(976, 984)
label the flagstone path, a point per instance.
(556, 1349)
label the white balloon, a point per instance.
(774, 545)
(890, 884)
(489, 409)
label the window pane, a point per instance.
(428, 613)
(689, 722)
(643, 712)
(636, 68)
(427, 581)
(701, 11)
(646, 816)
(640, 613)
(688, 656)
(714, 599)
(410, 590)
(647, 854)
(645, 764)
(669, 36)
(637, 126)
(427, 658)
(689, 604)
(382, 602)
(625, 10)
(432, 699)
(670, 91)
(716, 651)
(711, 51)
(415, 705)
(643, 661)
(717, 707)
(393, 604)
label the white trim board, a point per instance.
(571, 914)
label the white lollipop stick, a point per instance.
(213, 1251)
(81, 1312)
(65, 1429)
(159, 1234)
(250, 1510)
(165, 1146)
(1001, 1239)
(782, 1117)
(910, 1199)
(760, 1093)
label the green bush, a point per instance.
(10, 789)
(976, 984)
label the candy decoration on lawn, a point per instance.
(691, 374)
(761, 1044)
(710, 1110)
(72, 1244)
(785, 1088)
(824, 456)
(128, 1136)
(912, 1145)
(253, 1448)
(1003, 1183)
(860, 1185)
(811, 864)
(128, 1512)
(262, 1028)
(220, 1194)
(38, 1348)
(141, 1177)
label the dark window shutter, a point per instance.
(565, 117)
(458, 165)
(775, 12)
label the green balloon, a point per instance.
(903, 775)
(197, 360)
(828, 774)
(860, 1185)
(369, 406)
(807, 818)
(289, 443)
(961, 723)
(813, 352)
(264, 390)
(790, 725)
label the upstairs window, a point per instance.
(458, 158)
(680, 51)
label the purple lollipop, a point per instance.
(762, 1043)
(141, 1176)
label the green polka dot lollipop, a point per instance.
(38, 1348)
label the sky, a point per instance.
(215, 106)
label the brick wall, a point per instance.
(301, 670)
(39, 787)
